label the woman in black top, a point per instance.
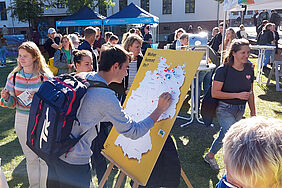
(233, 86)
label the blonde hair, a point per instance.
(252, 151)
(227, 40)
(40, 66)
(130, 40)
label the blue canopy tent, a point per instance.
(84, 17)
(131, 14)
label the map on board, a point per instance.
(160, 71)
(144, 100)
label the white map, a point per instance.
(144, 100)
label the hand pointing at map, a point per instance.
(165, 100)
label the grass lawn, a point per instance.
(192, 141)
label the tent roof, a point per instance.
(84, 17)
(131, 14)
(233, 5)
(85, 13)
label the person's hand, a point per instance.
(5, 94)
(164, 101)
(244, 95)
(70, 66)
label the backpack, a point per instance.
(51, 63)
(53, 112)
(209, 105)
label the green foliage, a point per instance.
(75, 5)
(27, 10)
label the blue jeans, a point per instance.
(227, 115)
(3, 51)
(268, 54)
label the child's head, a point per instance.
(252, 150)
(83, 61)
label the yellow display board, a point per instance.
(141, 170)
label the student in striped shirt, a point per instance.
(20, 87)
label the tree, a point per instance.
(75, 5)
(27, 10)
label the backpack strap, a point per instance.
(61, 54)
(14, 78)
(41, 78)
(97, 84)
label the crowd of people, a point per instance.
(252, 147)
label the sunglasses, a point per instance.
(230, 185)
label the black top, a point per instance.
(265, 37)
(216, 41)
(255, 19)
(86, 46)
(235, 81)
(144, 44)
(47, 45)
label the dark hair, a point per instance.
(132, 30)
(267, 26)
(235, 46)
(113, 37)
(108, 34)
(89, 31)
(148, 27)
(79, 54)
(178, 31)
(112, 55)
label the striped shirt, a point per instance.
(132, 73)
(23, 82)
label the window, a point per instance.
(235, 13)
(103, 10)
(145, 4)
(61, 4)
(122, 4)
(167, 6)
(189, 6)
(3, 11)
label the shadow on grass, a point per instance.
(19, 176)
(192, 142)
(11, 150)
(271, 94)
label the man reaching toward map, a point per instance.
(100, 105)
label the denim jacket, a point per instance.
(62, 62)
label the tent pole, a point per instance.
(223, 36)
(158, 32)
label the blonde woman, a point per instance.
(20, 87)
(229, 36)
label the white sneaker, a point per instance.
(1, 66)
(212, 162)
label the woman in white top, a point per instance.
(133, 44)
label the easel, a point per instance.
(123, 173)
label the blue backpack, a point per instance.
(52, 114)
